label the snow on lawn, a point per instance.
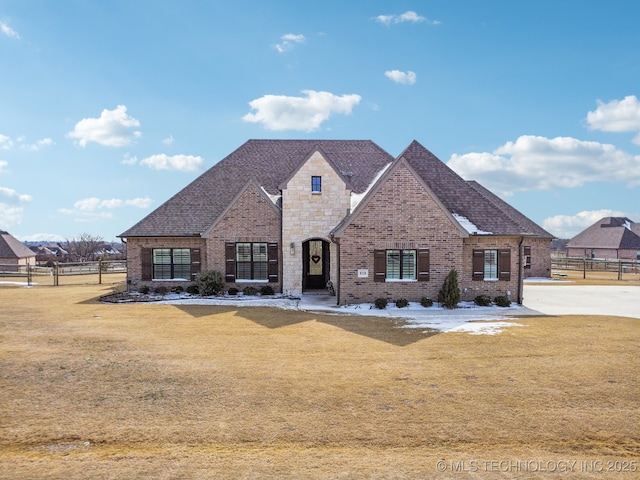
(467, 318)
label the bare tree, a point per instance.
(84, 247)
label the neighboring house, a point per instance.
(610, 237)
(298, 214)
(50, 252)
(14, 254)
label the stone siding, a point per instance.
(308, 215)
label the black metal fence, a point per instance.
(89, 272)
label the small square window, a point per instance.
(316, 184)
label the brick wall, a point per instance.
(401, 215)
(252, 218)
(540, 257)
(134, 257)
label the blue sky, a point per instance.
(108, 108)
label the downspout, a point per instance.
(520, 270)
(337, 285)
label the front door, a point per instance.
(315, 269)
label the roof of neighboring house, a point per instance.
(609, 232)
(11, 247)
(468, 200)
(269, 162)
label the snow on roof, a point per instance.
(273, 198)
(627, 224)
(357, 197)
(469, 226)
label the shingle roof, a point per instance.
(468, 198)
(11, 247)
(609, 232)
(269, 162)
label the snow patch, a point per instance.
(356, 198)
(468, 225)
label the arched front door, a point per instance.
(315, 266)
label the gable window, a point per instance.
(492, 265)
(170, 263)
(251, 261)
(401, 265)
(316, 184)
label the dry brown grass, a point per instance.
(92, 390)
(597, 278)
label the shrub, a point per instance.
(449, 295)
(161, 290)
(402, 302)
(266, 290)
(210, 283)
(177, 289)
(502, 301)
(250, 291)
(426, 302)
(144, 289)
(381, 303)
(482, 300)
(193, 290)
(233, 291)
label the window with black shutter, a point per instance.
(491, 264)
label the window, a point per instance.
(170, 264)
(527, 257)
(316, 184)
(491, 265)
(401, 264)
(251, 261)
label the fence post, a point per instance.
(55, 274)
(100, 271)
(584, 268)
(619, 269)
(28, 274)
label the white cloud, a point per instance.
(168, 140)
(183, 163)
(129, 160)
(279, 112)
(42, 237)
(40, 144)
(93, 208)
(114, 128)
(408, 78)
(8, 31)
(568, 226)
(409, 16)
(617, 116)
(11, 209)
(93, 203)
(540, 163)
(5, 142)
(3, 165)
(289, 41)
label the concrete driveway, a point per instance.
(563, 299)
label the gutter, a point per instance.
(337, 285)
(520, 270)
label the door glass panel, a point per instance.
(315, 257)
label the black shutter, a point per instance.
(272, 255)
(424, 265)
(504, 265)
(147, 264)
(478, 265)
(230, 262)
(379, 265)
(195, 262)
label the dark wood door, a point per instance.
(315, 254)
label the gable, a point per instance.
(11, 247)
(269, 163)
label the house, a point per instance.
(298, 214)
(14, 254)
(608, 238)
(50, 252)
